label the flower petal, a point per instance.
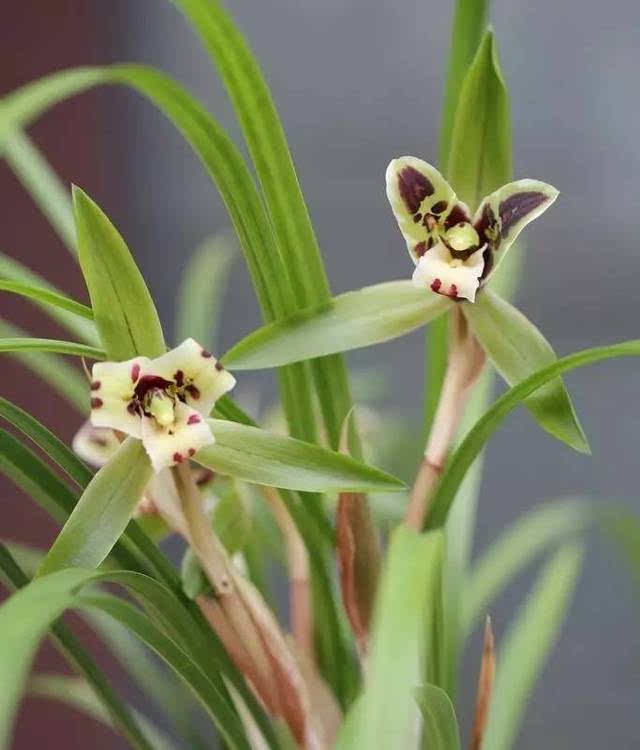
(112, 388)
(95, 445)
(437, 271)
(204, 379)
(503, 214)
(168, 446)
(421, 199)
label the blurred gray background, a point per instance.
(358, 83)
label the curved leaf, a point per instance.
(103, 511)
(262, 457)
(46, 297)
(125, 316)
(61, 375)
(352, 320)
(440, 722)
(13, 270)
(28, 344)
(527, 644)
(517, 349)
(477, 437)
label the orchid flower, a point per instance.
(455, 253)
(164, 401)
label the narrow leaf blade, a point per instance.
(440, 722)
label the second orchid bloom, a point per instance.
(455, 253)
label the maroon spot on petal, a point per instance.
(96, 403)
(135, 372)
(95, 385)
(456, 215)
(453, 291)
(193, 391)
(177, 457)
(435, 285)
(192, 451)
(178, 376)
(417, 218)
(219, 366)
(517, 206)
(147, 382)
(487, 222)
(439, 207)
(206, 354)
(414, 187)
(420, 249)
(193, 419)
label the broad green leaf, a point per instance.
(517, 349)
(477, 437)
(75, 693)
(125, 316)
(26, 616)
(352, 320)
(517, 547)
(103, 511)
(261, 457)
(231, 519)
(13, 270)
(42, 183)
(202, 289)
(386, 716)
(28, 344)
(54, 370)
(466, 31)
(440, 722)
(54, 448)
(481, 152)
(526, 646)
(46, 297)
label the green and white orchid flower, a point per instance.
(455, 253)
(164, 402)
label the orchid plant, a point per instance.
(382, 591)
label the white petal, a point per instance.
(437, 271)
(508, 210)
(112, 388)
(168, 446)
(206, 380)
(163, 493)
(414, 189)
(95, 445)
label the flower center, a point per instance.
(160, 405)
(462, 239)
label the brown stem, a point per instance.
(301, 610)
(465, 362)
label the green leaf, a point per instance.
(103, 511)
(13, 270)
(54, 448)
(125, 316)
(527, 644)
(386, 716)
(257, 456)
(440, 722)
(63, 377)
(352, 320)
(517, 547)
(480, 157)
(46, 297)
(28, 344)
(466, 31)
(75, 693)
(42, 183)
(26, 616)
(478, 436)
(517, 349)
(201, 290)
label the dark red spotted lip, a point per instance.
(149, 382)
